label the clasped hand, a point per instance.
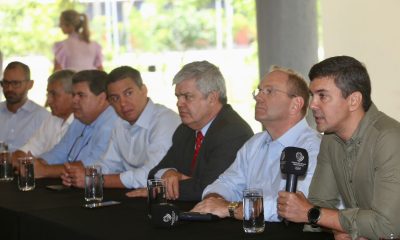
(73, 175)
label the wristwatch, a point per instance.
(231, 208)
(314, 214)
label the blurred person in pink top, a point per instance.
(76, 52)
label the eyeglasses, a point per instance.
(269, 91)
(12, 83)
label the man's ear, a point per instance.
(355, 101)
(103, 96)
(143, 88)
(213, 97)
(30, 84)
(297, 104)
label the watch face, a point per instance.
(313, 215)
(233, 205)
(231, 208)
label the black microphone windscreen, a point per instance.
(164, 215)
(294, 161)
(196, 216)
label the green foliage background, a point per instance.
(31, 28)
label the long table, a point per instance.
(45, 214)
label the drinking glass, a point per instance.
(26, 177)
(156, 193)
(6, 168)
(253, 211)
(93, 184)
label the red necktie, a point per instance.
(199, 139)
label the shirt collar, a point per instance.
(290, 137)
(28, 106)
(365, 122)
(69, 120)
(206, 127)
(107, 113)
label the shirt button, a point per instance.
(350, 181)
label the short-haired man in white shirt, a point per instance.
(59, 99)
(140, 139)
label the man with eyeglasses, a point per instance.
(206, 142)
(19, 116)
(89, 134)
(281, 105)
(140, 139)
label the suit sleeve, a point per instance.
(218, 154)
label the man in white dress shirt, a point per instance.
(141, 138)
(281, 104)
(59, 99)
(19, 116)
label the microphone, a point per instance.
(294, 163)
(168, 215)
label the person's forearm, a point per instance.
(113, 181)
(51, 171)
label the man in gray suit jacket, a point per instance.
(206, 142)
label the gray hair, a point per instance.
(208, 78)
(63, 76)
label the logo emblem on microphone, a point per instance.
(299, 156)
(167, 218)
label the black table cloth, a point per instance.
(45, 214)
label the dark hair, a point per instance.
(123, 72)
(22, 66)
(96, 80)
(63, 76)
(349, 75)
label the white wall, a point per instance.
(368, 30)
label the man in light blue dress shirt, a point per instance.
(281, 104)
(89, 134)
(19, 116)
(141, 138)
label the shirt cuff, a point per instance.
(347, 219)
(129, 180)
